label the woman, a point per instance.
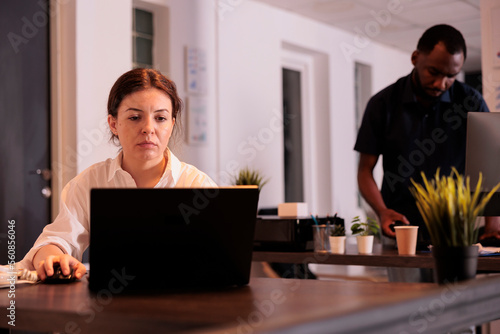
(143, 109)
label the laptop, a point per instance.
(170, 239)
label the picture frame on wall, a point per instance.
(196, 70)
(197, 120)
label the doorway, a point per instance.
(25, 110)
(305, 80)
(292, 136)
(362, 94)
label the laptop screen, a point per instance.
(483, 155)
(145, 239)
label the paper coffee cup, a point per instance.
(406, 238)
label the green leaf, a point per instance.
(364, 228)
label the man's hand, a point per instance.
(372, 195)
(491, 228)
(387, 218)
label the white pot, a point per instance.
(337, 244)
(365, 244)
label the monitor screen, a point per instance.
(483, 154)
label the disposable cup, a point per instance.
(406, 238)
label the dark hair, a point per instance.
(451, 38)
(139, 79)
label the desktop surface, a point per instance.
(381, 257)
(266, 305)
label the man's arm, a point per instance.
(370, 192)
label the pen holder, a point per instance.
(321, 238)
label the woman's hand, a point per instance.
(45, 267)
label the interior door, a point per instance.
(24, 124)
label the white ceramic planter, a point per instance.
(365, 244)
(337, 244)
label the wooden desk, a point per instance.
(381, 257)
(266, 305)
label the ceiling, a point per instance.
(403, 26)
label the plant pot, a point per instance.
(337, 244)
(454, 264)
(365, 244)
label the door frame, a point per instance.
(316, 153)
(63, 96)
(302, 64)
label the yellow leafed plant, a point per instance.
(449, 208)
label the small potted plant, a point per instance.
(337, 239)
(449, 209)
(364, 232)
(246, 176)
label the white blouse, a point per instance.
(71, 229)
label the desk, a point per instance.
(381, 257)
(266, 305)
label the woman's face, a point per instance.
(143, 125)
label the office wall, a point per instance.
(192, 24)
(251, 39)
(244, 42)
(490, 57)
(103, 52)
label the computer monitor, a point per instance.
(483, 155)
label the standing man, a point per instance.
(418, 124)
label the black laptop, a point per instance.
(170, 239)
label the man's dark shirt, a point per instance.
(412, 138)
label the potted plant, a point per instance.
(247, 176)
(337, 239)
(449, 210)
(364, 232)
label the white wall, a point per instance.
(490, 62)
(193, 24)
(103, 53)
(250, 47)
(243, 42)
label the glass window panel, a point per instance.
(143, 22)
(143, 50)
